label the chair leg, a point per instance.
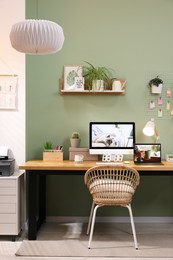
(133, 226)
(90, 218)
(92, 225)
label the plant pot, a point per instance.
(75, 143)
(98, 85)
(156, 89)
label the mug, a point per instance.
(78, 158)
(116, 86)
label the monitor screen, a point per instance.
(111, 137)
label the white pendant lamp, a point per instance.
(37, 36)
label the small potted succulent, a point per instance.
(48, 146)
(75, 140)
(96, 78)
(156, 85)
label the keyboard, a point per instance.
(109, 163)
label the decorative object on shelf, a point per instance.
(118, 85)
(52, 153)
(79, 83)
(150, 129)
(156, 85)
(35, 36)
(70, 73)
(75, 140)
(96, 78)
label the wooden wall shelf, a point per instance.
(87, 92)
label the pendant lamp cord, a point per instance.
(37, 9)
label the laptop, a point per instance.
(147, 153)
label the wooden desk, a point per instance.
(38, 169)
(71, 165)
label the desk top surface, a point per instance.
(71, 165)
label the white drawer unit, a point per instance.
(10, 204)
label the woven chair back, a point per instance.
(112, 185)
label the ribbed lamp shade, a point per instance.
(37, 37)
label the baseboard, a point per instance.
(111, 219)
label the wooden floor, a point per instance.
(8, 248)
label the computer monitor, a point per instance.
(111, 137)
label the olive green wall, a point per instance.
(135, 39)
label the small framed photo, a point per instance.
(79, 83)
(70, 73)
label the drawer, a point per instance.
(7, 191)
(8, 218)
(7, 183)
(7, 208)
(7, 199)
(9, 229)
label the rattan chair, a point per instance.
(111, 185)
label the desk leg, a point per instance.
(42, 200)
(32, 205)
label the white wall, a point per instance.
(12, 123)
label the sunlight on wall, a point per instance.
(12, 122)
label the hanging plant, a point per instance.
(156, 85)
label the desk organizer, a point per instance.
(84, 152)
(53, 156)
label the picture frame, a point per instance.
(79, 83)
(70, 73)
(8, 92)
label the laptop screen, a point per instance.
(147, 153)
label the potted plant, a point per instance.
(96, 78)
(156, 85)
(75, 140)
(48, 146)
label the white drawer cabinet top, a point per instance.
(15, 175)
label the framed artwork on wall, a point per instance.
(8, 91)
(71, 73)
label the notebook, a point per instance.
(147, 153)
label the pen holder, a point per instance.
(53, 155)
